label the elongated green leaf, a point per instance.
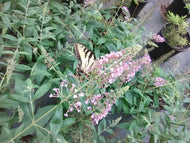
(46, 139)
(28, 50)
(101, 41)
(20, 128)
(41, 113)
(41, 90)
(7, 52)
(186, 100)
(6, 6)
(23, 67)
(68, 122)
(111, 47)
(101, 126)
(41, 72)
(5, 102)
(40, 133)
(102, 139)
(6, 21)
(97, 52)
(19, 86)
(141, 106)
(9, 37)
(19, 98)
(57, 120)
(4, 117)
(129, 97)
(110, 131)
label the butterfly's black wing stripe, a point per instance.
(90, 56)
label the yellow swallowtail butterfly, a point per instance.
(85, 56)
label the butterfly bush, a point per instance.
(126, 13)
(123, 66)
(158, 38)
(116, 66)
(88, 2)
(159, 82)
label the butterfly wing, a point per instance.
(85, 56)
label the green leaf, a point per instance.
(5, 102)
(28, 50)
(84, 105)
(111, 47)
(119, 46)
(57, 120)
(46, 139)
(6, 6)
(186, 100)
(91, 33)
(141, 106)
(77, 18)
(129, 96)
(19, 86)
(4, 118)
(97, 52)
(20, 128)
(41, 72)
(123, 125)
(101, 41)
(138, 91)
(40, 133)
(41, 112)
(22, 67)
(7, 53)
(6, 21)
(41, 90)
(19, 98)
(110, 131)
(133, 111)
(156, 100)
(68, 122)
(101, 126)
(101, 139)
(9, 37)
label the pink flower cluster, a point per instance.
(103, 103)
(123, 67)
(88, 2)
(160, 82)
(158, 38)
(104, 107)
(126, 13)
(64, 83)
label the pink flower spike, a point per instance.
(71, 109)
(159, 82)
(66, 115)
(89, 108)
(81, 94)
(79, 103)
(125, 10)
(51, 95)
(86, 102)
(74, 96)
(158, 38)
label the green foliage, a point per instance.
(176, 30)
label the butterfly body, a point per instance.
(85, 56)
